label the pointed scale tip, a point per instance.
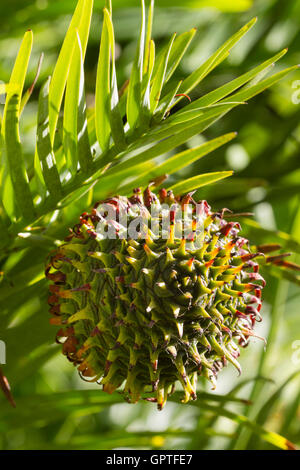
(4, 385)
(249, 25)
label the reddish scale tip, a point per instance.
(53, 299)
(185, 95)
(163, 195)
(55, 310)
(209, 263)
(95, 332)
(85, 287)
(228, 227)
(54, 289)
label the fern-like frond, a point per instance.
(116, 144)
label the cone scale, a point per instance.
(143, 314)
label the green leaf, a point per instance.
(173, 136)
(18, 75)
(169, 137)
(228, 88)
(164, 106)
(17, 78)
(221, 5)
(59, 80)
(159, 77)
(281, 273)
(224, 5)
(113, 182)
(181, 160)
(290, 414)
(145, 110)
(53, 407)
(247, 93)
(39, 181)
(15, 160)
(84, 25)
(221, 54)
(108, 6)
(263, 235)
(5, 239)
(266, 410)
(14, 88)
(81, 22)
(157, 149)
(199, 181)
(179, 48)
(192, 114)
(148, 36)
(7, 88)
(134, 95)
(180, 45)
(203, 116)
(43, 406)
(84, 148)
(271, 437)
(29, 92)
(44, 148)
(116, 122)
(70, 121)
(102, 100)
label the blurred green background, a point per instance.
(55, 409)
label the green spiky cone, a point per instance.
(151, 311)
